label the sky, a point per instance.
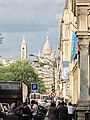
(34, 19)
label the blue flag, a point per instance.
(74, 46)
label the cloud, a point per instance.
(28, 15)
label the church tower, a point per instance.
(24, 49)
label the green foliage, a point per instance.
(21, 71)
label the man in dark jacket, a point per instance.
(52, 111)
(25, 112)
(62, 112)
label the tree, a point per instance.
(21, 71)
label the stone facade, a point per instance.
(76, 17)
(68, 25)
(83, 24)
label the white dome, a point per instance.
(47, 48)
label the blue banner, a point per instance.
(74, 46)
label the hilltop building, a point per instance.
(47, 51)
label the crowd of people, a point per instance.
(61, 111)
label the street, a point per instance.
(13, 117)
(10, 117)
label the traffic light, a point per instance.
(53, 88)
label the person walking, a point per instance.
(34, 110)
(25, 112)
(62, 112)
(52, 111)
(70, 110)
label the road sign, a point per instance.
(34, 86)
(53, 94)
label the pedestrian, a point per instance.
(70, 110)
(62, 112)
(52, 111)
(34, 110)
(25, 112)
(17, 108)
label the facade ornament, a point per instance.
(84, 47)
(83, 10)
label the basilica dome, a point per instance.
(47, 48)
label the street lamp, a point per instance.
(49, 63)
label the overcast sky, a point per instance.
(34, 19)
